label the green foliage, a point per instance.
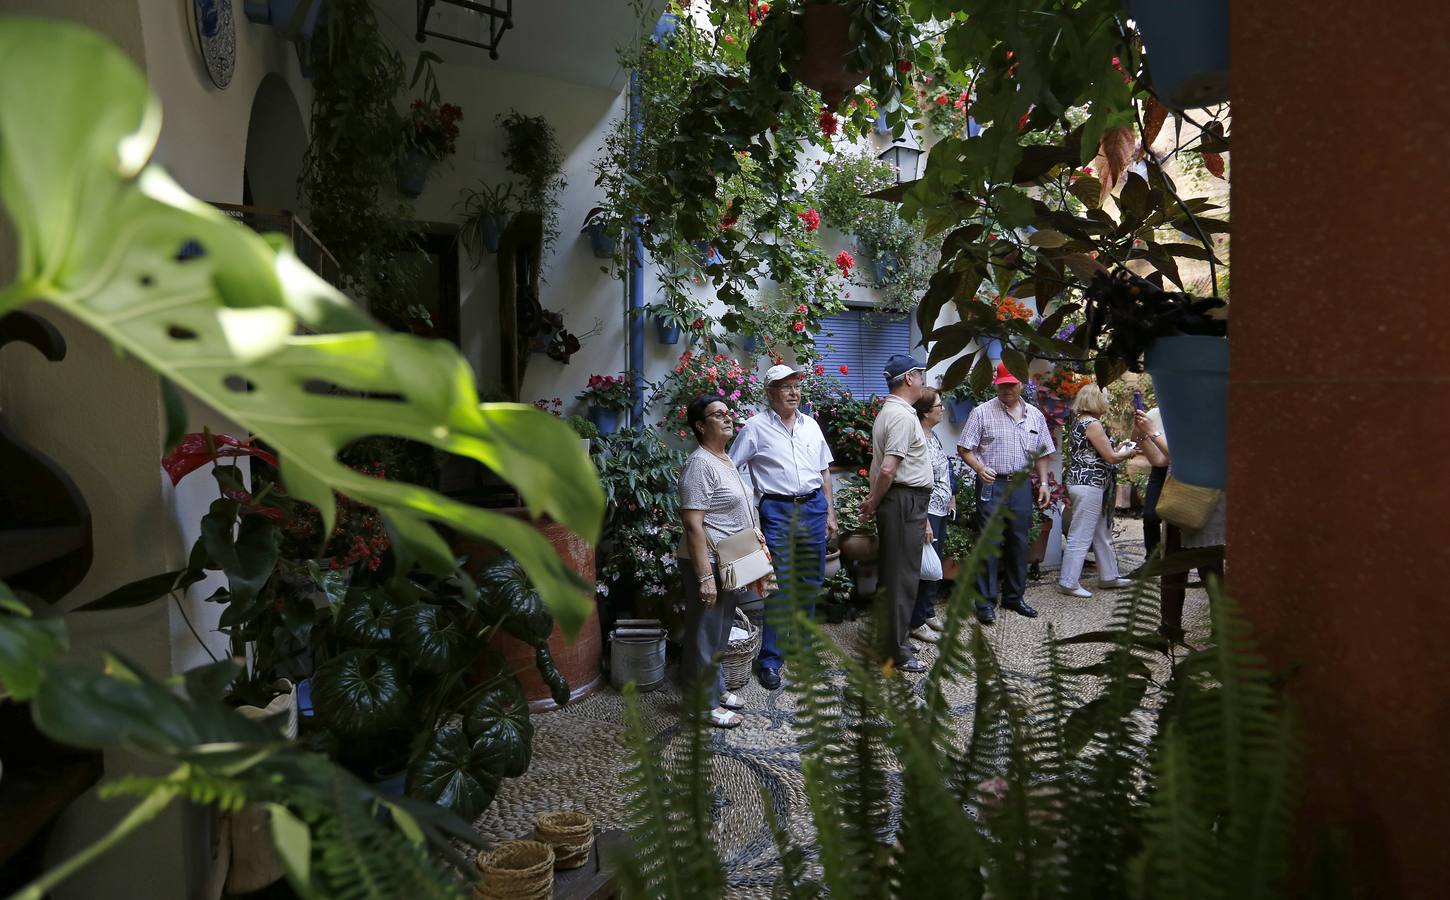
(641, 476)
(849, 494)
(846, 421)
(1063, 788)
(532, 152)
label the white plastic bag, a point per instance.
(930, 563)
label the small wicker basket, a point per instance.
(571, 834)
(518, 870)
(738, 657)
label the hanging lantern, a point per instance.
(467, 22)
(903, 159)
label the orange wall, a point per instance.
(1339, 423)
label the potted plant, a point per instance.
(603, 231)
(858, 538)
(1182, 340)
(431, 130)
(668, 324)
(607, 397)
(960, 401)
(845, 420)
(294, 18)
(532, 152)
(485, 210)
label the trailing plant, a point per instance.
(532, 152)
(357, 137)
(1085, 783)
(432, 126)
(485, 211)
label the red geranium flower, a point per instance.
(820, 369)
(828, 122)
(844, 261)
(903, 65)
(845, 370)
(811, 218)
(799, 326)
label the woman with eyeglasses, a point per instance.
(925, 623)
(714, 504)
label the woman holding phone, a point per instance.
(1092, 460)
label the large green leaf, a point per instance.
(101, 237)
(360, 692)
(508, 595)
(432, 637)
(501, 715)
(366, 618)
(457, 773)
(27, 645)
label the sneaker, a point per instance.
(1073, 591)
(936, 624)
(1116, 583)
(924, 634)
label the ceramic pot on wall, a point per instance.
(823, 64)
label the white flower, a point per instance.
(602, 589)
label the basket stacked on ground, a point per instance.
(519, 870)
(738, 657)
(571, 834)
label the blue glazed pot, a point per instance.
(959, 410)
(413, 173)
(600, 241)
(666, 27)
(888, 266)
(1190, 377)
(489, 231)
(1186, 42)
(993, 348)
(257, 11)
(280, 13)
(606, 420)
(666, 331)
(881, 127)
(749, 343)
(709, 256)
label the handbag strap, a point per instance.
(754, 521)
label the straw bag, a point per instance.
(738, 657)
(1187, 506)
(519, 870)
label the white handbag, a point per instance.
(930, 563)
(741, 558)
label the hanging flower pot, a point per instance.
(749, 343)
(709, 256)
(601, 241)
(887, 266)
(823, 65)
(993, 348)
(413, 173)
(668, 332)
(1186, 45)
(605, 419)
(959, 409)
(489, 232)
(1190, 377)
(294, 18)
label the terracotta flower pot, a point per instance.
(1038, 551)
(860, 547)
(951, 567)
(823, 63)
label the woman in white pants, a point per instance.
(1091, 462)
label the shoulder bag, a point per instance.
(740, 556)
(1187, 506)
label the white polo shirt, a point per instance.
(781, 460)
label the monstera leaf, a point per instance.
(508, 594)
(501, 715)
(219, 311)
(366, 618)
(431, 636)
(27, 644)
(455, 772)
(360, 692)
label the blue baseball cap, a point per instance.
(900, 364)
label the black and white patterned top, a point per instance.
(1085, 467)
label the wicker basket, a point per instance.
(519, 870)
(571, 834)
(738, 657)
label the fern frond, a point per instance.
(197, 786)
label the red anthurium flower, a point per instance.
(198, 448)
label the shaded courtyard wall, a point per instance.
(1338, 419)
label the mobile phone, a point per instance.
(1138, 401)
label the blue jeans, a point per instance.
(926, 591)
(805, 563)
(1005, 565)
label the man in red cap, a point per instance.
(1003, 437)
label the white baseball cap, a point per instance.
(779, 372)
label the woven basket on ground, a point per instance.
(571, 834)
(738, 657)
(519, 870)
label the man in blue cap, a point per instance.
(901, 480)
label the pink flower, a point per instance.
(811, 218)
(802, 309)
(799, 326)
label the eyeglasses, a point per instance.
(722, 416)
(939, 406)
(787, 388)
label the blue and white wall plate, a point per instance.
(216, 38)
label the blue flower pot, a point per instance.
(993, 348)
(1190, 377)
(749, 343)
(600, 241)
(413, 173)
(606, 420)
(1187, 49)
(709, 256)
(959, 410)
(489, 232)
(666, 27)
(666, 331)
(881, 127)
(281, 12)
(258, 12)
(887, 266)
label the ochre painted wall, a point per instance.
(1339, 419)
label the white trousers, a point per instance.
(1089, 528)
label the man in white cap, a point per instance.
(790, 463)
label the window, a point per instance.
(862, 340)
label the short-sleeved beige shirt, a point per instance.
(897, 432)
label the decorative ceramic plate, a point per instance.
(216, 37)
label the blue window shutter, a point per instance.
(862, 340)
(839, 341)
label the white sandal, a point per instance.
(724, 718)
(731, 701)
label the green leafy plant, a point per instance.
(432, 126)
(1132, 312)
(850, 492)
(637, 564)
(845, 420)
(485, 210)
(531, 151)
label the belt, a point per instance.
(898, 486)
(792, 498)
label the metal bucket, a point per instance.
(639, 660)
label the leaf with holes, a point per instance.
(101, 236)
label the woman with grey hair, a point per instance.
(1092, 460)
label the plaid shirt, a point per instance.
(1003, 443)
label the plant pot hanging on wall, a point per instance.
(601, 242)
(1190, 378)
(823, 65)
(668, 332)
(294, 18)
(1186, 45)
(413, 174)
(606, 420)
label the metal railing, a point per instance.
(305, 244)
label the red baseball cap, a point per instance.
(1004, 376)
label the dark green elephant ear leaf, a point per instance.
(459, 774)
(360, 692)
(508, 594)
(432, 637)
(558, 686)
(366, 618)
(501, 716)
